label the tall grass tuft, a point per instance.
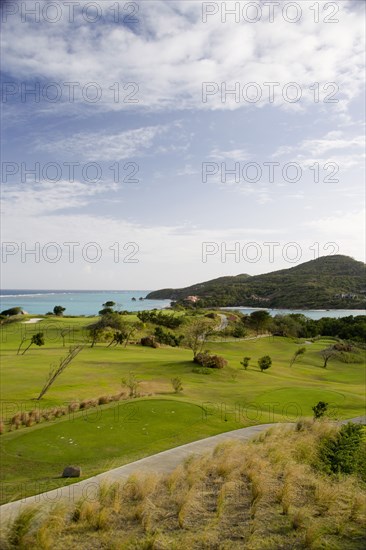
(20, 530)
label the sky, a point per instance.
(154, 144)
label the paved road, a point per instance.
(223, 322)
(160, 463)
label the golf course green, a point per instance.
(104, 436)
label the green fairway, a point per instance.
(99, 439)
(109, 435)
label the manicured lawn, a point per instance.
(33, 459)
(100, 438)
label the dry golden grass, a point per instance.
(261, 495)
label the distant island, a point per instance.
(329, 282)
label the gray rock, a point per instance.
(71, 471)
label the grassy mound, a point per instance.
(271, 493)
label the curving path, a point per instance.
(160, 463)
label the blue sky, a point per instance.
(172, 209)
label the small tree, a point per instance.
(105, 311)
(23, 339)
(131, 383)
(130, 329)
(298, 353)
(264, 362)
(177, 385)
(320, 409)
(55, 371)
(109, 303)
(37, 339)
(327, 354)
(245, 362)
(259, 320)
(64, 332)
(118, 338)
(197, 333)
(108, 320)
(59, 311)
(239, 330)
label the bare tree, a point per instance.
(327, 354)
(197, 333)
(55, 371)
(64, 332)
(131, 383)
(21, 342)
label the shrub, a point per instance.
(239, 330)
(160, 318)
(346, 357)
(201, 370)
(210, 361)
(341, 453)
(117, 396)
(58, 412)
(149, 342)
(24, 418)
(104, 399)
(320, 409)
(132, 384)
(343, 346)
(264, 362)
(245, 362)
(11, 311)
(177, 384)
(167, 338)
(15, 418)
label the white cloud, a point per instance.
(172, 52)
(332, 141)
(340, 224)
(23, 202)
(346, 229)
(102, 146)
(235, 155)
(345, 151)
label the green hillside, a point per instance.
(328, 282)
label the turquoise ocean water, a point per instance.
(77, 302)
(89, 302)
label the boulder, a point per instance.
(72, 471)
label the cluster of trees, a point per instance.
(168, 338)
(264, 362)
(112, 326)
(297, 325)
(160, 318)
(10, 312)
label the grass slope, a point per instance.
(264, 495)
(33, 457)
